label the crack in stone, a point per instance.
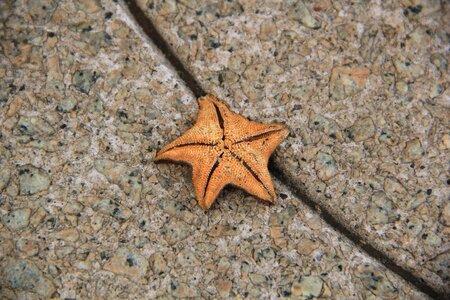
(276, 168)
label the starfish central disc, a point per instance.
(224, 144)
(227, 144)
(225, 148)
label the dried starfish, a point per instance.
(225, 148)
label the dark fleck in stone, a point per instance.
(83, 80)
(32, 180)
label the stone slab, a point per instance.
(363, 86)
(85, 213)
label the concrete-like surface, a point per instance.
(363, 86)
(85, 103)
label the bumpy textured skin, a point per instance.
(225, 148)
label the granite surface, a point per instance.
(363, 86)
(85, 103)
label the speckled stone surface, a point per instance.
(363, 86)
(85, 103)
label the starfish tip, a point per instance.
(158, 156)
(207, 97)
(204, 204)
(271, 202)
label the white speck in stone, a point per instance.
(360, 28)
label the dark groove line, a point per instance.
(150, 30)
(220, 119)
(324, 213)
(190, 81)
(256, 137)
(213, 169)
(245, 164)
(189, 144)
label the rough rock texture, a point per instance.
(25, 276)
(363, 86)
(84, 211)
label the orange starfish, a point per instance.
(225, 148)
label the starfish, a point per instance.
(225, 148)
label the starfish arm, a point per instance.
(274, 140)
(258, 166)
(263, 132)
(206, 130)
(262, 146)
(255, 153)
(230, 170)
(216, 182)
(201, 158)
(239, 129)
